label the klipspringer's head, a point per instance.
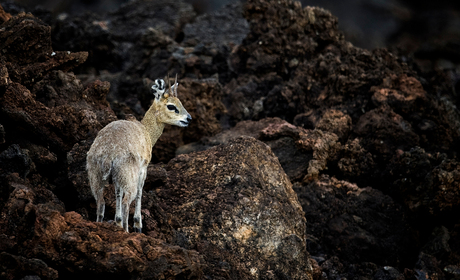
(170, 109)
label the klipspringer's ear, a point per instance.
(158, 88)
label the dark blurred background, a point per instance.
(428, 31)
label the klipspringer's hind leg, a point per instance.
(125, 177)
(97, 188)
(137, 212)
(125, 193)
(129, 195)
(118, 209)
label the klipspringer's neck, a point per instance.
(153, 126)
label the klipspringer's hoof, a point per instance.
(139, 230)
(112, 222)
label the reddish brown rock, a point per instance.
(296, 60)
(25, 39)
(29, 60)
(330, 74)
(16, 160)
(355, 162)
(303, 153)
(14, 267)
(285, 23)
(4, 16)
(62, 123)
(335, 122)
(401, 92)
(323, 145)
(431, 180)
(70, 245)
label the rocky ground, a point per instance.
(307, 158)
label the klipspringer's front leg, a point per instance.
(100, 210)
(137, 214)
(100, 205)
(125, 210)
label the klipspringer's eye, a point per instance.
(172, 108)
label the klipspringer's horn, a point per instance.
(175, 86)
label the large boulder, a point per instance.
(235, 205)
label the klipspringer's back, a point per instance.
(118, 140)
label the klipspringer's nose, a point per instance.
(189, 118)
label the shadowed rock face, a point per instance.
(360, 221)
(307, 158)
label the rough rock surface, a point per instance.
(49, 105)
(307, 157)
(301, 152)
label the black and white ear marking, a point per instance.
(158, 88)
